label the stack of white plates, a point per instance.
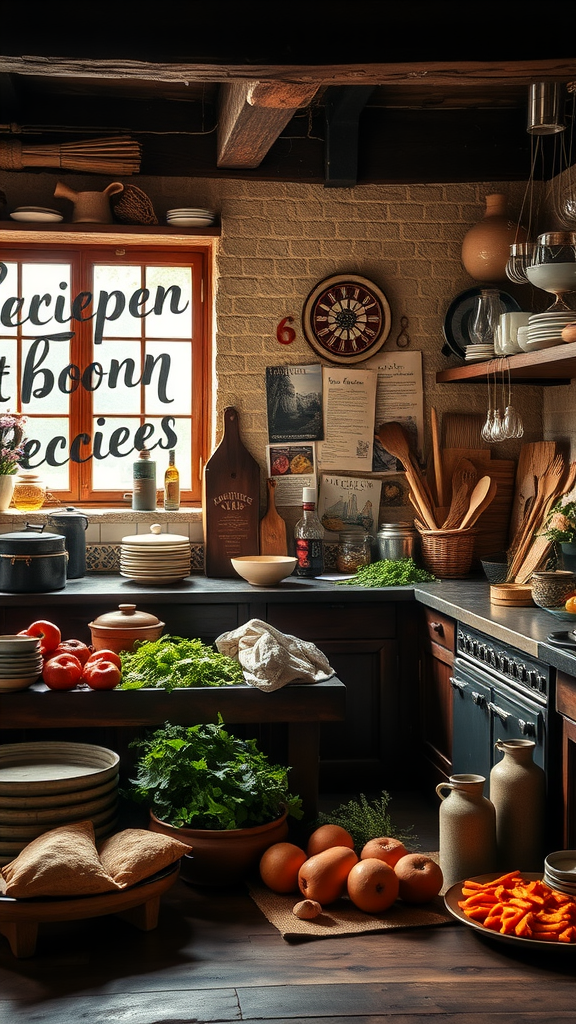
(47, 784)
(478, 353)
(191, 216)
(20, 662)
(545, 329)
(560, 871)
(36, 213)
(155, 557)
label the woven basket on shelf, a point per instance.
(447, 553)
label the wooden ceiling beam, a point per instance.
(461, 73)
(251, 117)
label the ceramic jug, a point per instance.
(89, 207)
(72, 525)
(486, 246)
(518, 792)
(467, 829)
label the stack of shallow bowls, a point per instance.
(545, 329)
(191, 216)
(478, 353)
(155, 557)
(20, 662)
(560, 871)
(47, 784)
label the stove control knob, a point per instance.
(492, 656)
(522, 673)
(533, 680)
(514, 669)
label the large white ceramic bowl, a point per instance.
(263, 570)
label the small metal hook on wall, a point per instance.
(403, 339)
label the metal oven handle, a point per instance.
(527, 728)
(458, 684)
(503, 715)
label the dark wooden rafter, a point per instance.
(343, 106)
(252, 115)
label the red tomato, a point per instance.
(101, 674)
(75, 647)
(48, 633)
(105, 655)
(62, 672)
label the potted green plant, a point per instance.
(219, 794)
(560, 528)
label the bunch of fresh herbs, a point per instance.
(388, 573)
(174, 661)
(560, 526)
(367, 819)
(203, 777)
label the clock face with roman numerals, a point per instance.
(346, 318)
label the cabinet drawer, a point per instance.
(566, 696)
(438, 628)
(334, 620)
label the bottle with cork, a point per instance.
(309, 538)
(172, 484)
(144, 483)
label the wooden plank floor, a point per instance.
(214, 957)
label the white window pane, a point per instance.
(183, 448)
(49, 282)
(8, 289)
(44, 377)
(121, 362)
(171, 378)
(114, 472)
(8, 364)
(112, 315)
(169, 324)
(54, 438)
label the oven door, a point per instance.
(471, 725)
(515, 718)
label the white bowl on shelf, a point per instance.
(264, 570)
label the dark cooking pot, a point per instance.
(32, 561)
(72, 524)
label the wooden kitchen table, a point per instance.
(301, 707)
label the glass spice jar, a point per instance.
(29, 492)
(354, 550)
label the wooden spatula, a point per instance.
(481, 497)
(273, 540)
(463, 482)
(396, 442)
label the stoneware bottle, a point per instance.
(518, 792)
(486, 246)
(467, 829)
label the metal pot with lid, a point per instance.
(120, 629)
(396, 541)
(73, 525)
(32, 561)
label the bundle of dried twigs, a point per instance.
(118, 156)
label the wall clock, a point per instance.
(346, 318)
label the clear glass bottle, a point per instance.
(309, 538)
(354, 550)
(171, 484)
(144, 483)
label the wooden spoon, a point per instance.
(396, 442)
(463, 481)
(481, 497)
(437, 457)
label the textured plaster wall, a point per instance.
(279, 239)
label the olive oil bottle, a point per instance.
(171, 484)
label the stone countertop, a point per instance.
(468, 601)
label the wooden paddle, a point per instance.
(273, 540)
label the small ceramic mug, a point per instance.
(508, 330)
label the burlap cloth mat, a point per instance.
(342, 917)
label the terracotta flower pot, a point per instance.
(222, 857)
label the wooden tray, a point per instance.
(516, 595)
(19, 919)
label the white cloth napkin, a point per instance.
(271, 659)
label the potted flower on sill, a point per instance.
(11, 454)
(560, 528)
(215, 792)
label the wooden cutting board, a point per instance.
(273, 538)
(231, 502)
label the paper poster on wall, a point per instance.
(293, 467)
(294, 403)
(348, 397)
(346, 501)
(399, 398)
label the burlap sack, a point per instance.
(62, 862)
(135, 854)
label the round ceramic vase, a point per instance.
(467, 829)
(518, 792)
(6, 490)
(486, 246)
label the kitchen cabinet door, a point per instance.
(435, 696)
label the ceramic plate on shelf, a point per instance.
(457, 319)
(454, 894)
(32, 213)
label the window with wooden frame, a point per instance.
(106, 350)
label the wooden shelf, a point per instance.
(62, 232)
(547, 367)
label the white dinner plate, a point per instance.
(46, 216)
(191, 222)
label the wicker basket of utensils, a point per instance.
(447, 553)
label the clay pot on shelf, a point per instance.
(486, 246)
(119, 630)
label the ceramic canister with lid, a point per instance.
(32, 561)
(119, 630)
